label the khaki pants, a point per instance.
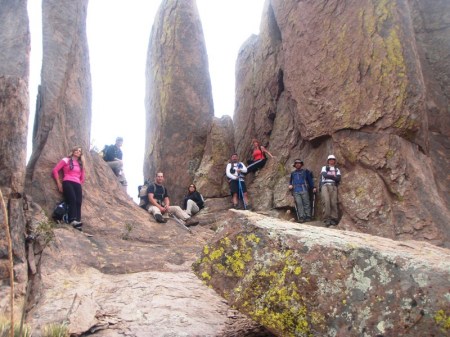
(175, 210)
(192, 207)
(329, 198)
(117, 167)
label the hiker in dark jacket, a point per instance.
(330, 177)
(113, 157)
(193, 200)
(300, 183)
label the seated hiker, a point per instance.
(300, 183)
(113, 156)
(235, 172)
(330, 177)
(160, 203)
(193, 200)
(259, 157)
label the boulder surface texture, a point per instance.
(367, 81)
(300, 280)
(178, 97)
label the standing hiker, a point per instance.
(113, 157)
(193, 200)
(160, 203)
(259, 157)
(72, 167)
(235, 172)
(330, 176)
(300, 183)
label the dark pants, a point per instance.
(254, 166)
(73, 196)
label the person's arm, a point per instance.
(228, 172)
(55, 173)
(311, 181)
(338, 176)
(82, 175)
(242, 168)
(290, 182)
(263, 149)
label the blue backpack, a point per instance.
(61, 212)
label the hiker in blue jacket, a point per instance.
(113, 157)
(300, 183)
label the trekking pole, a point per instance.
(313, 208)
(241, 193)
(180, 222)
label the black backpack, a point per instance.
(104, 151)
(61, 212)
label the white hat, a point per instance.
(331, 157)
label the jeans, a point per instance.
(175, 210)
(303, 204)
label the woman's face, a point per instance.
(255, 144)
(191, 188)
(77, 153)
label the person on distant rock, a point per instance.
(300, 183)
(160, 203)
(330, 177)
(235, 171)
(193, 201)
(259, 157)
(73, 173)
(113, 157)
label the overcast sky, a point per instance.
(118, 35)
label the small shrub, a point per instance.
(128, 229)
(5, 326)
(45, 231)
(55, 330)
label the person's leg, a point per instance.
(325, 196)
(71, 200)
(306, 205)
(334, 205)
(178, 212)
(234, 189)
(116, 166)
(192, 207)
(79, 200)
(156, 214)
(300, 209)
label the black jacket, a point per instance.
(194, 196)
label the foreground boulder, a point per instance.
(300, 280)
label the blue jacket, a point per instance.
(301, 180)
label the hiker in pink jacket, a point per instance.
(72, 167)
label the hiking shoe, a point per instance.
(76, 224)
(159, 218)
(235, 206)
(307, 219)
(327, 223)
(333, 223)
(191, 222)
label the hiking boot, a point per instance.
(248, 207)
(327, 223)
(159, 218)
(301, 220)
(76, 224)
(333, 223)
(190, 222)
(307, 219)
(235, 206)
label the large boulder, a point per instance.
(367, 82)
(14, 73)
(300, 280)
(178, 98)
(210, 177)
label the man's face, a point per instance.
(234, 158)
(331, 162)
(159, 178)
(119, 143)
(298, 166)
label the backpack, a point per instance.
(61, 212)
(104, 151)
(143, 193)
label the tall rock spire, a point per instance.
(179, 103)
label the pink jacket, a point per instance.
(76, 174)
